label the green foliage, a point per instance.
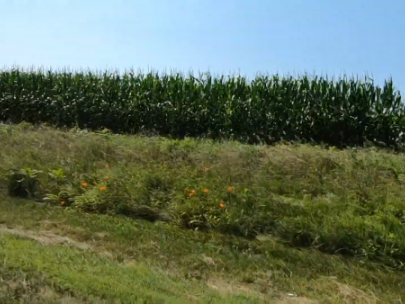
(346, 202)
(23, 183)
(340, 113)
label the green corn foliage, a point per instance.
(346, 112)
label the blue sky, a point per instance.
(325, 37)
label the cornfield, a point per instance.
(346, 112)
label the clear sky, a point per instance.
(325, 37)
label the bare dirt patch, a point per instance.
(232, 288)
(45, 237)
(292, 300)
(246, 289)
(354, 295)
(343, 293)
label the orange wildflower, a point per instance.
(222, 205)
(191, 193)
(103, 188)
(205, 190)
(207, 169)
(84, 184)
(63, 203)
(230, 189)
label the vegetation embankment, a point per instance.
(272, 220)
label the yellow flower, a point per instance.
(84, 184)
(205, 190)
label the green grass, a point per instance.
(323, 225)
(83, 273)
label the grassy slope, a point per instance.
(313, 205)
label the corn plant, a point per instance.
(346, 112)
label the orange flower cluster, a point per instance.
(102, 188)
(192, 192)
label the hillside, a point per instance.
(96, 217)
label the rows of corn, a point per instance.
(345, 112)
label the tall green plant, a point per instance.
(340, 113)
